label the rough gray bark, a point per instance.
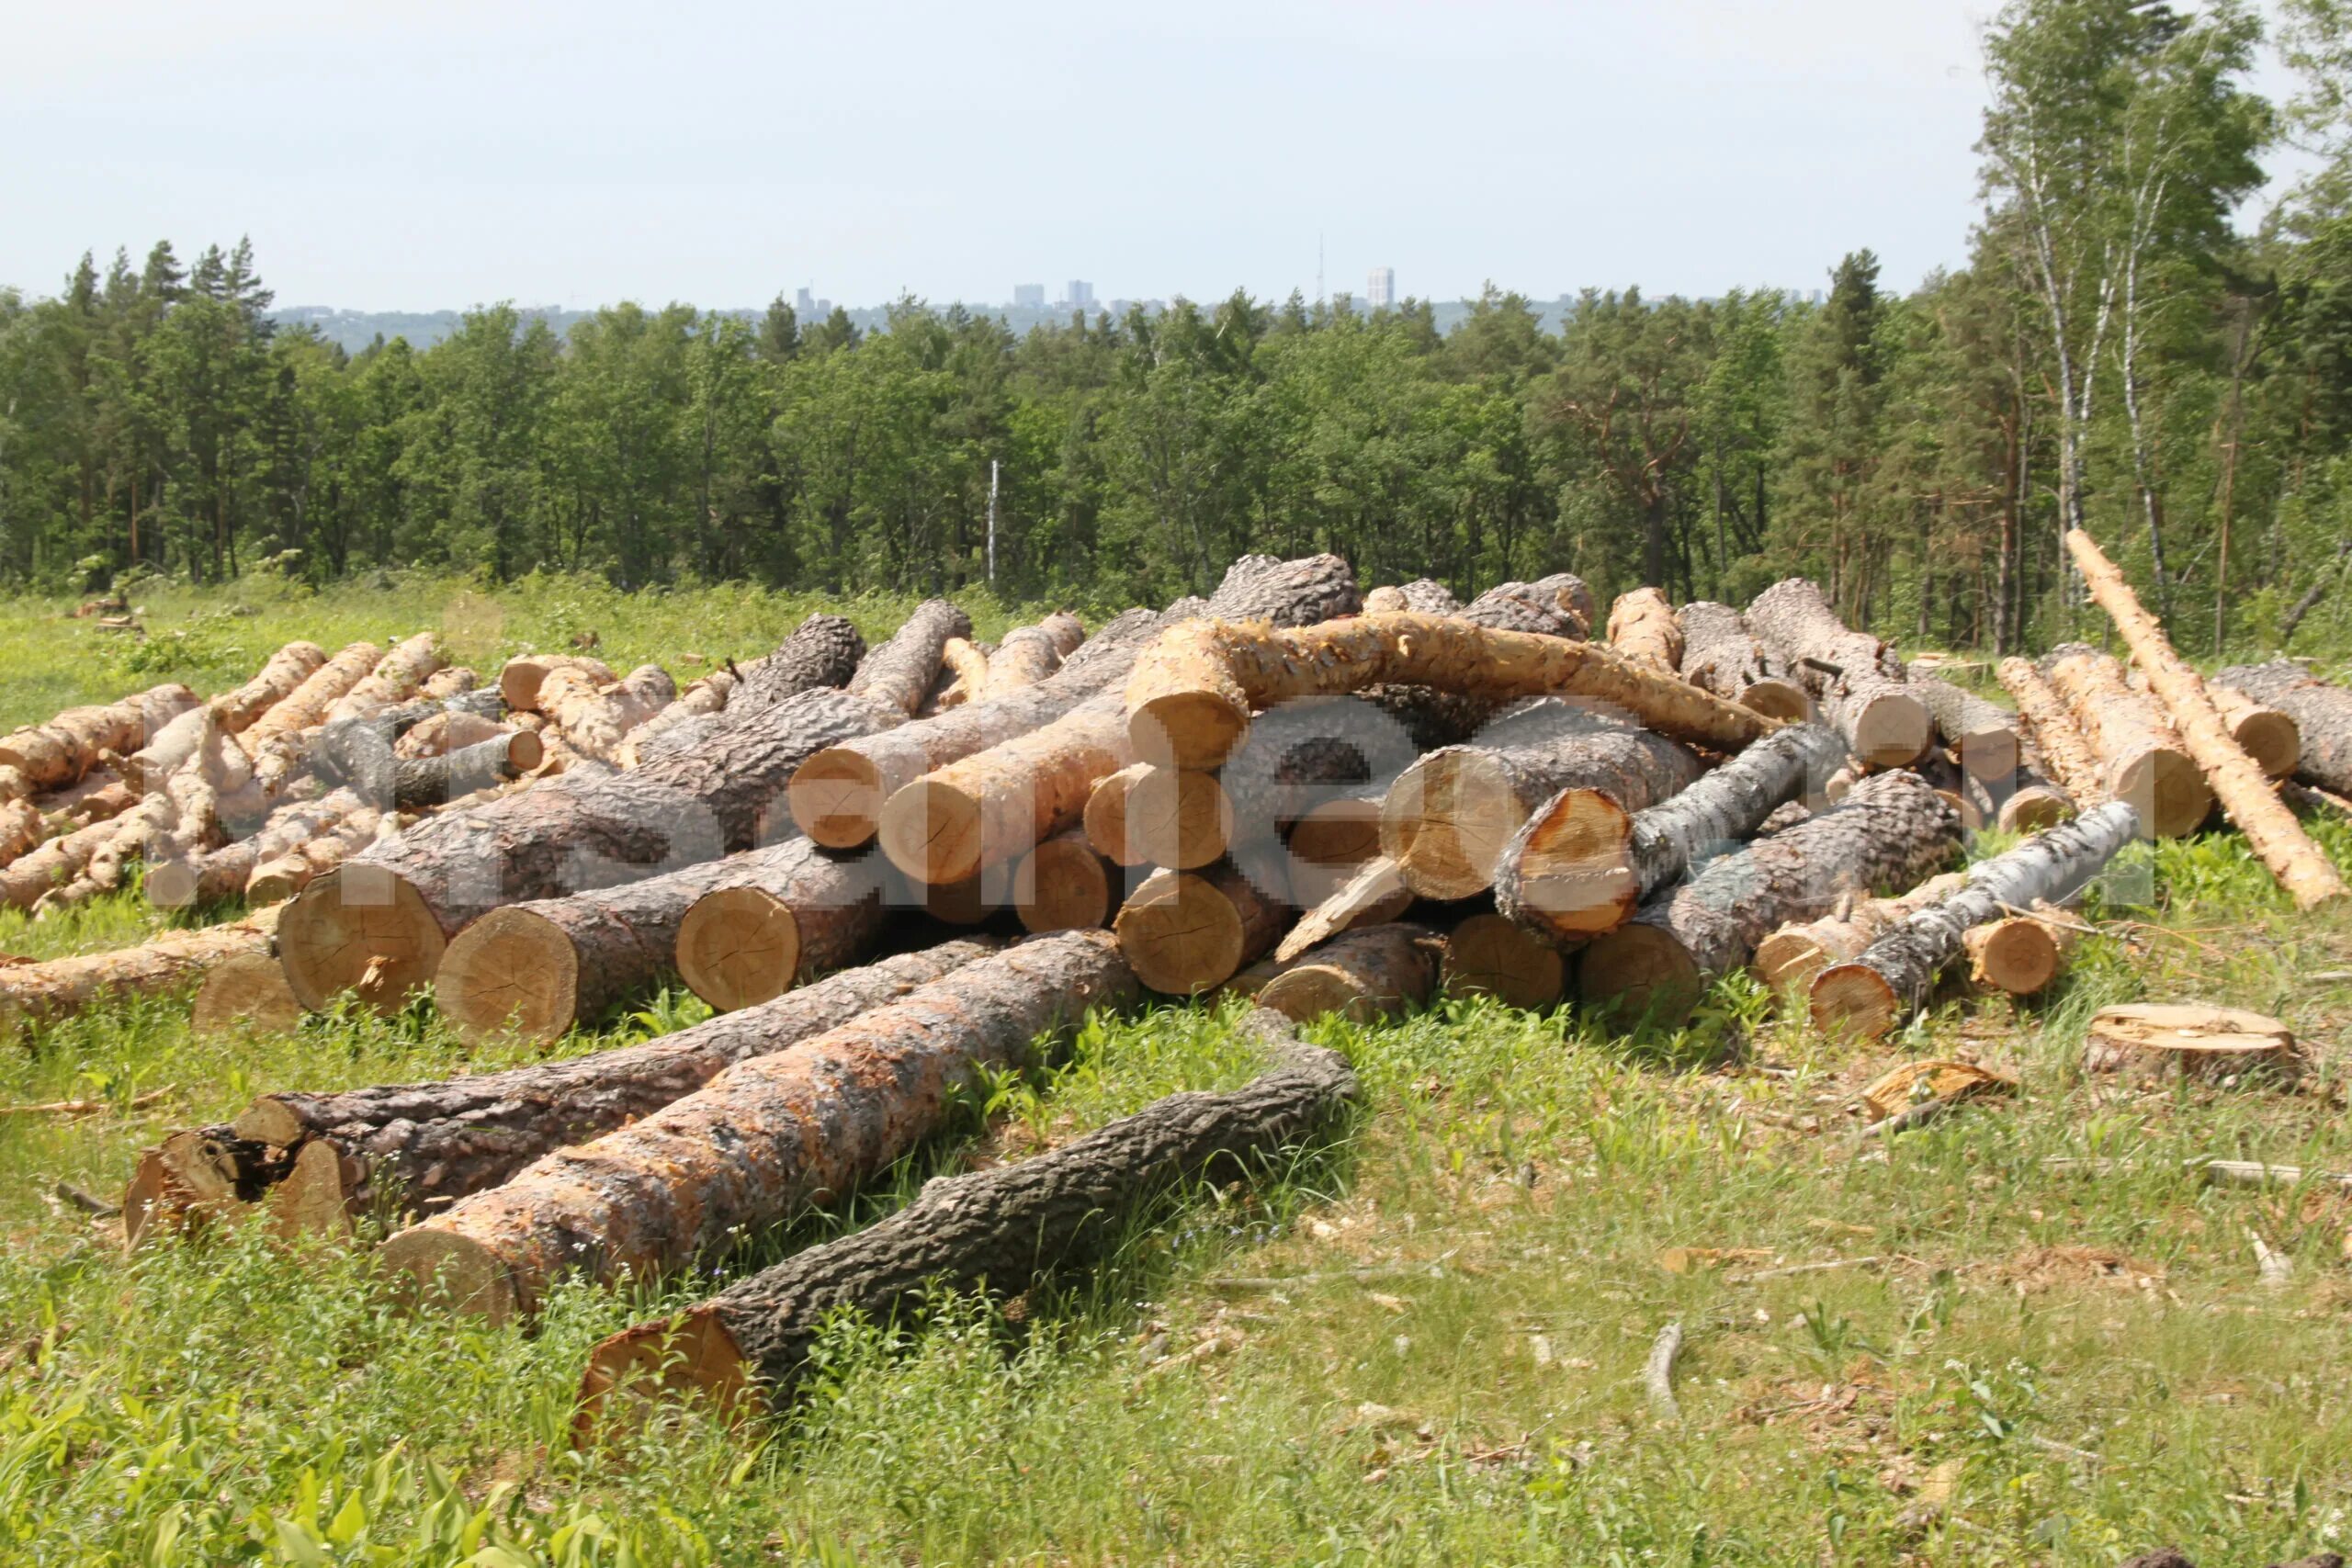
(822, 652)
(1423, 596)
(2320, 711)
(1720, 655)
(1875, 993)
(1857, 679)
(1002, 1229)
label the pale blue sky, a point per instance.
(432, 154)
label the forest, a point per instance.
(2136, 343)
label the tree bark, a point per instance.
(1558, 606)
(2066, 755)
(1720, 655)
(701, 699)
(963, 673)
(1191, 695)
(1584, 861)
(752, 1144)
(278, 679)
(780, 916)
(306, 706)
(750, 1348)
(53, 866)
(1064, 885)
(69, 746)
(1494, 956)
(522, 678)
(21, 831)
(2301, 867)
(1185, 933)
(1423, 596)
(1861, 689)
(1026, 656)
(594, 716)
(395, 679)
(59, 987)
(281, 877)
(1362, 975)
(822, 652)
(2142, 757)
(1448, 817)
(900, 670)
(1872, 996)
(2323, 715)
(377, 925)
(357, 753)
(1981, 736)
(1641, 627)
(1891, 829)
(223, 872)
(1789, 958)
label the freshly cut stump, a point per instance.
(1720, 655)
(1064, 885)
(2142, 757)
(750, 1146)
(750, 1348)
(244, 994)
(1866, 699)
(1361, 975)
(1185, 933)
(1490, 955)
(2156, 1041)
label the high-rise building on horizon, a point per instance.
(1080, 295)
(804, 303)
(1029, 296)
(1380, 289)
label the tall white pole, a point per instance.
(991, 522)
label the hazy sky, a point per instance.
(425, 154)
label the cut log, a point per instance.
(379, 924)
(2301, 867)
(2142, 757)
(1558, 606)
(774, 919)
(1873, 995)
(58, 987)
(1064, 885)
(306, 706)
(1582, 862)
(754, 1145)
(1790, 958)
(1147, 816)
(1191, 692)
(1641, 627)
(244, 994)
(224, 872)
(452, 729)
(838, 800)
(169, 750)
(53, 866)
(21, 831)
(2021, 954)
(1362, 976)
(900, 670)
(2066, 755)
(701, 699)
(412, 1147)
(1426, 717)
(750, 1348)
(1446, 819)
(14, 786)
(2156, 1042)
(449, 681)
(1855, 677)
(963, 673)
(1490, 955)
(1373, 895)
(1186, 932)
(2274, 740)
(282, 875)
(358, 753)
(1984, 738)
(1423, 596)
(1720, 655)
(594, 717)
(396, 679)
(99, 797)
(1891, 829)
(1104, 819)
(520, 679)
(2323, 715)
(73, 744)
(1066, 631)
(823, 651)
(1342, 833)
(1026, 656)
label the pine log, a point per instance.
(523, 676)
(1981, 734)
(453, 729)
(359, 754)
(451, 681)
(1584, 861)
(1147, 816)
(2066, 756)
(756, 1143)
(21, 831)
(1064, 885)
(1362, 976)
(379, 924)
(2274, 740)
(1026, 656)
(594, 717)
(1558, 606)
(2142, 757)
(1342, 833)
(1425, 717)
(1191, 692)
(281, 877)
(395, 679)
(1873, 995)
(1641, 627)
(1490, 955)
(751, 1347)
(1104, 819)
(963, 674)
(223, 872)
(2020, 955)
(2323, 715)
(244, 994)
(900, 670)
(52, 865)
(99, 797)
(1310, 752)
(1066, 632)
(1865, 699)
(69, 746)
(13, 785)
(2301, 867)
(1720, 655)
(1186, 932)
(1891, 829)
(838, 800)
(58, 987)
(776, 918)
(822, 652)
(169, 750)
(701, 699)
(1789, 958)
(306, 706)
(1371, 894)
(1423, 596)
(277, 679)
(420, 1147)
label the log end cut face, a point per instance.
(1063, 886)
(1854, 1000)
(2168, 789)
(2274, 740)
(1488, 955)
(1446, 820)
(1192, 729)
(359, 929)
(1575, 876)
(245, 994)
(2034, 809)
(440, 1270)
(836, 797)
(930, 830)
(1776, 698)
(2155, 1042)
(1892, 729)
(1181, 934)
(738, 947)
(687, 1357)
(512, 971)
(1640, 971)
(2019, 956)
(169, 884)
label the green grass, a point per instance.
(1520, 1181)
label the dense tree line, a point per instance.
(2115, 353)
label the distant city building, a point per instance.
(1082, 294)
(1380, 289)
(1029, 296)
(804, 304)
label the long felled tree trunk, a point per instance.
(277, 679)
(1857, 679)
(2066, 755)
(750, 1346)
(2142, 757)
(902, 670)
(420, 1147)
(1890, 828)
(1720, 655)
(761, 1139)
(60, 986)
(1873, 994)
(379, 924)
(2323, 715)
(1584, 861)
(1643, 628)
(53, 755)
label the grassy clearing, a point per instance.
(2043, 1367)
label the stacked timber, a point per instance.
(2141, 758)
(1856, 678)
(1720, 655)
